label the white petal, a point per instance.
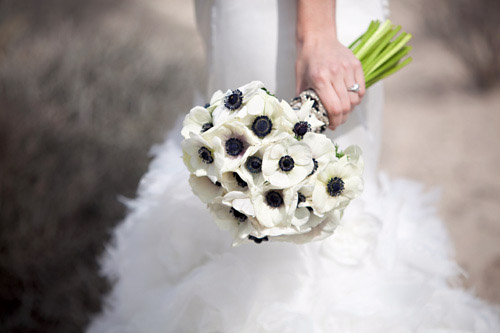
(262, 212)
(305, 110)
(256, 105)
(289, 113)
(301, 217)
(216, 97)
(200, 115)
(301, 153)
(298, 174)
(275, 152)
(240, 201)
(204, 188)
(320, 145)
(320, 198)
(251, 88)
(280, 179)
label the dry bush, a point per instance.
(79, 108)
(471, 29)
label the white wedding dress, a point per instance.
(387, 268)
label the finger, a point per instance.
(349, 82)
(342, 93)
(359, 78)
(344, 118)
(331, 103)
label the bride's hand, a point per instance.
(328, 67)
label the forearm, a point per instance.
(315, 21)
(323, 63)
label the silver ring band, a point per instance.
(354, 88)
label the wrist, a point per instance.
(316, 37)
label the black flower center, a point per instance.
(315, 167)
(241, 182)
(274, 199)
(206, 126)
(302, 198)
(240, 217)
(262, 126)
(301, 128)
(335, 186)
(206, 106)
(254, 164)
(258, 240)
(206, 155)
(234, 100)
(234, 146)
(218, 184)
(286, 163)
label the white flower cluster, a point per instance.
(263, 171)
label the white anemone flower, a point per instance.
(233, 103)
(353, 154)
(273, 207)
(238, 224)
(264, 117)
(215, 100)
(198, 120)
(324, 229)
(240, 201)
(287, 163)
(199, 157)
(337, 185)
(322, 149)
(232, 142)
(251, 170)
(263, 233)
(301, 121)
(304, 217)
(233, 181)
(205, 189)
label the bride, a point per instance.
(387, 267)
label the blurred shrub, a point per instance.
(81, 102)
(471, 29)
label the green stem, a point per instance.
(389, 72)
(372, 41)
(373, 57)
(388, 64)
(379, 56)
(391, 50)
(366, 36)
(356, 41)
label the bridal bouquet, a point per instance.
(263, 167)
(264, 170)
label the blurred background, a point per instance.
(86, 87)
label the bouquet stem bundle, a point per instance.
(380, 51)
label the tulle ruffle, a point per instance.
(387, 268)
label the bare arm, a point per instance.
(323, 63)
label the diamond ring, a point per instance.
(354, 88)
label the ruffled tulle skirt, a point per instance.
(387, 268)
